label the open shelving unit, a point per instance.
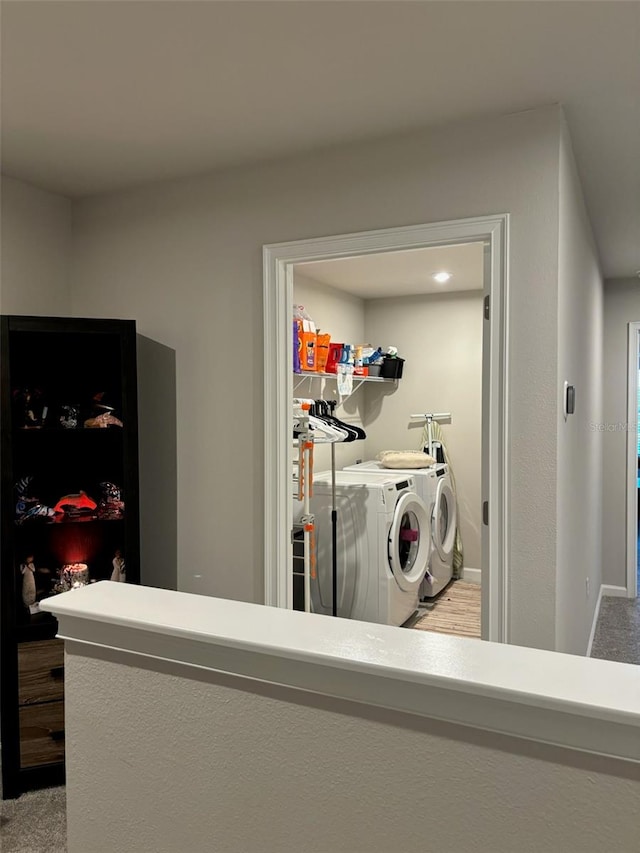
(69, 511)
(299, 378)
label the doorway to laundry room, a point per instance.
(385, 427)
(405, 329)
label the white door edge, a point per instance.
(631, 581)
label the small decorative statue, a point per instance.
(30, 410)
(102, 416)
(28, 572)
(69, 416)
(119, 573)
(111, 505)
(106, 419)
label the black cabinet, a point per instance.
(69, 512)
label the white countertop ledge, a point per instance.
(579, 703)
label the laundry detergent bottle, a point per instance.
(309, 342)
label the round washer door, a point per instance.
(444, 520)
(409, 542)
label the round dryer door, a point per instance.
(444, 520)
(409, 542)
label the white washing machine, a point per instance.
(382, 546)
(434, 486)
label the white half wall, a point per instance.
(579, 451)
(35, 238)
(440, 336)
(196, 760)
(184, 258)
(621, 307)
(206, 724)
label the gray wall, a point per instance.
(197, 761)
(35, 238)
(621, 306)
(440, 336)
(184, 258)
(579, 452)
(36, 243)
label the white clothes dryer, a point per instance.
(382, 546)
(434, 486)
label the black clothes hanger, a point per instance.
(359, 432)
(321, 411)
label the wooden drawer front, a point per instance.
(40, 671)
(41, 734)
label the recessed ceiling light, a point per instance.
(442, 277)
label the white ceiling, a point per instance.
(404, 273)
(98, 96)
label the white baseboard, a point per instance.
(595, 621)
(614, 591)
(472, 575)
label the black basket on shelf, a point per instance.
(392, 367)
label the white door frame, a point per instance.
(632, 459)
(278, 260)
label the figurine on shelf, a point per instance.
(69, 416)
(28, 572)
(32, 583)
(76, 506)
(102, 416)
(106, 419)
(119, 573)
(30, 409)
(111, 505)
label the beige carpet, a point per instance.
(455, 611)
(34, 823)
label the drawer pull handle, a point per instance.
(57, 672)
(57, 735)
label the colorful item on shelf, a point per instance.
(296, 346)
(25, 501)
(72, 576)
(119, 573)
(37, 511)
(106, 419)
(78, 502)
(322, 352)
(333, 359)
(110, 505)
(30, 409)
(102, 415)
(69, 417)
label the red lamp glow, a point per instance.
(76, 543)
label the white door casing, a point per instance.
(278, 260)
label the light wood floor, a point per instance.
(455, 611)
